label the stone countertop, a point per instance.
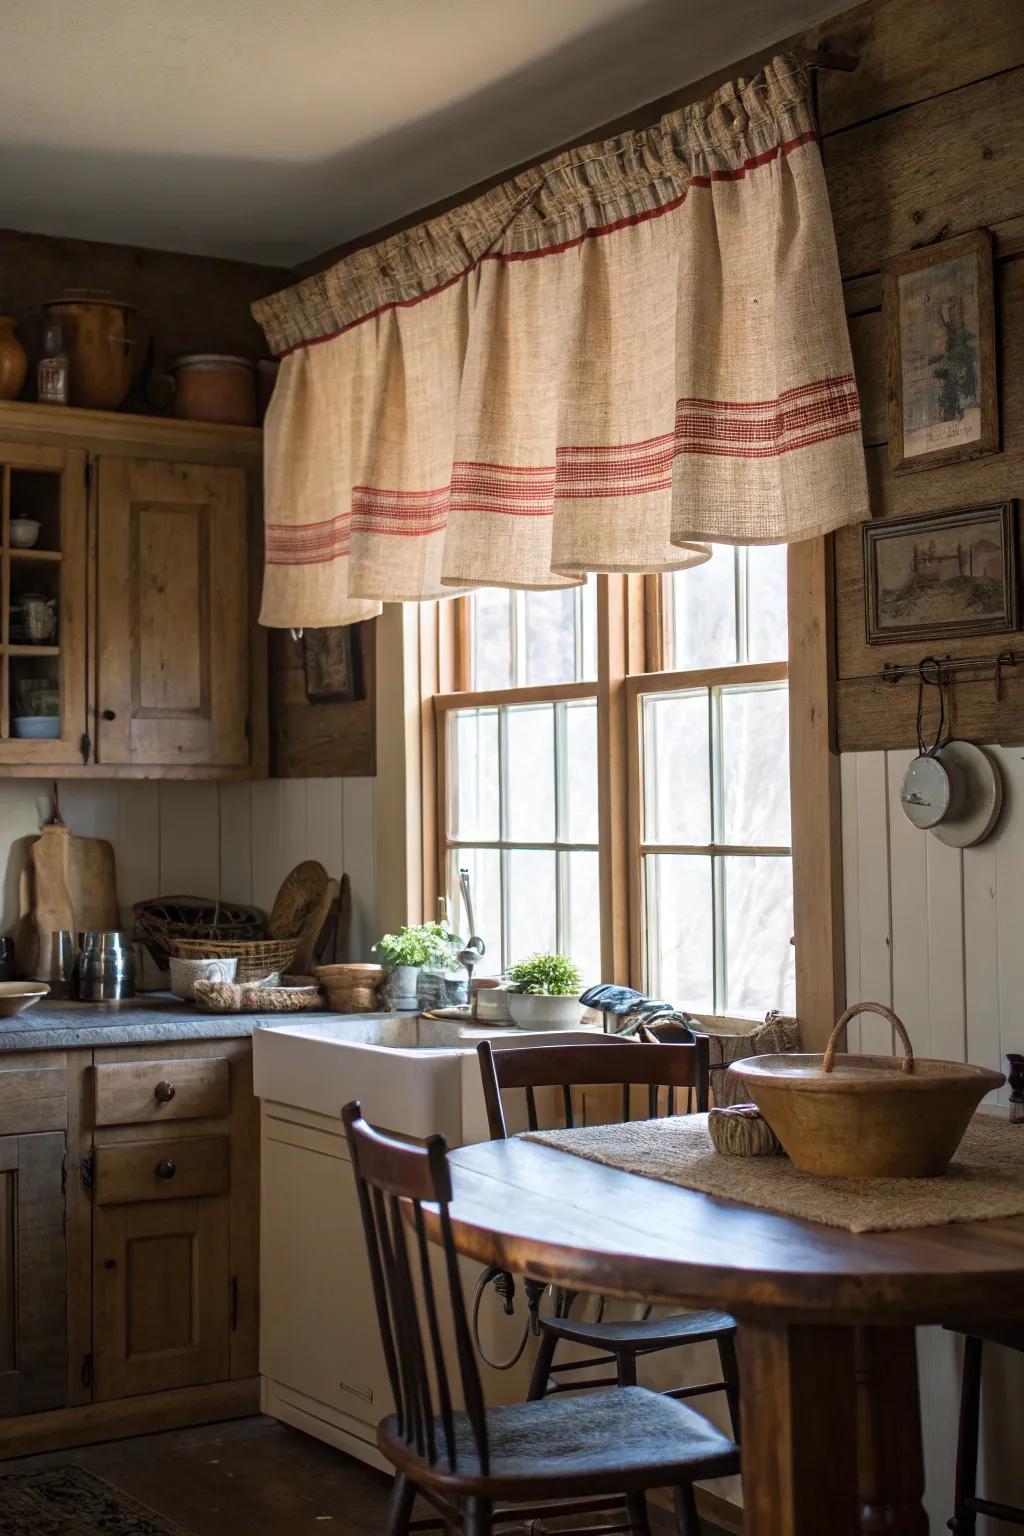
(151, 1019)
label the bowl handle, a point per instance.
(829, 1059)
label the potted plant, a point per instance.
(405, 954)
(544, 992)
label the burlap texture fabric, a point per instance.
(599, 365)
(984, 1181)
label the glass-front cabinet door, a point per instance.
(43, 498)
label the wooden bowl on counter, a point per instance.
(866, 1117)
(16, 996)
(350, 988)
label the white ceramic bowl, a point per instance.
(185, 974)
(36, 727)
(24, 532)
(530, 1012)
(16, 996)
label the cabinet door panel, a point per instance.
(173, 614)
(161, 1296)
(33, 1274)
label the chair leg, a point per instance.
(731, 1377)
(965, 1521)
(687, 1518)
(636, 1507)
(541, 1367)
(403, 1495)
(476, 1517)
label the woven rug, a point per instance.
(984, 1181)
(69, 1501)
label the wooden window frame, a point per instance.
(638, 688)
(427, 657)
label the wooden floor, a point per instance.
(251, 1477)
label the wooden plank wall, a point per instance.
(232, 840)
(922, 142)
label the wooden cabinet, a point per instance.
(147, 556)
(33, 1294)
(42, 673)
(173, 618)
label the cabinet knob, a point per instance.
(109, 1263)
(110, 714)
(166, 1168)
(164, 1092)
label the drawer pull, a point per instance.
(166, 1168)
(164, 1092)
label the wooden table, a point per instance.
(831, 1418)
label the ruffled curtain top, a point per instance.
(598, 365)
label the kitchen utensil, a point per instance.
(976, 807)
(100, 351)
(106, 967)
(211, 386)
(24, 531)
(63, 962)
(74, 887)
(866, 1117)
(300, 894)
(309, 938)
(16, 996)
(13, 360)
(185, 973)
(36, 727)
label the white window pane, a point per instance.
(755, 765)
(484, 865)
(531, 902)
(680, 946)
(767, 636)
(473, 774)
(759, 959)
(704, 612)
(583, 940)
(587, 599)
(677, 787)
(551, 636)
(531, 773)
(491, 619)
(580, 730)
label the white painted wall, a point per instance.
(237, 841)
(938, 934)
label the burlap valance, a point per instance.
(596, 366)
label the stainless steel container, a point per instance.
(106, 968)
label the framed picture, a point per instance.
(952, 573)
(941, 353)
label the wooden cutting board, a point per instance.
(74, 886)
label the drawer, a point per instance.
(33, 1099)
(136, 1092)
(162, 1170)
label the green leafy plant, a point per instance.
(545, 976)
(420, 945)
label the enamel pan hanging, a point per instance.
(952, 789)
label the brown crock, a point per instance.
(212, 387)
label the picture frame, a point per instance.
(943, 575)
(940, 344)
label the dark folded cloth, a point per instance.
(612, 999)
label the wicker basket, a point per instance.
(165, 921)
(256, 957)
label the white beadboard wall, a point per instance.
(237, 841)
(938, 934)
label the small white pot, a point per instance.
(532, 1012)
(398, 991)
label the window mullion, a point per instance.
(718, 914)
(742, 614)
(518, 638)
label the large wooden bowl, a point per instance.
(866, 1117)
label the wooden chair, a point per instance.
(589, 1451)
(609, 1060)
(967, 1505)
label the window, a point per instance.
(710, 741)
(518, 766)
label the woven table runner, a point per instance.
(985, 1179)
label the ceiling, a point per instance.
(270, 131)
